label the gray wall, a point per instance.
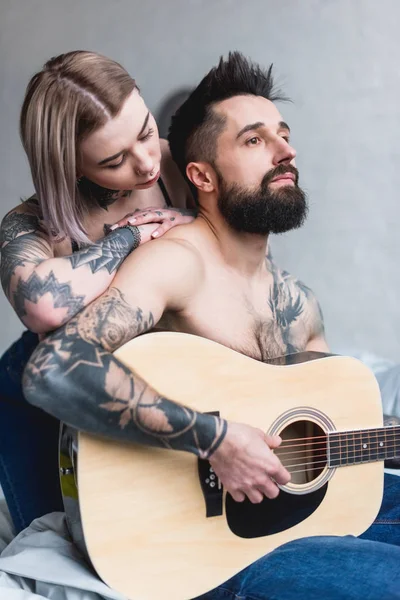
(337, 59)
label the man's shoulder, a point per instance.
(293, 289)
(293, 296)
(173, 256)
(296, 288)
(178, 241)
(165, 272)
(291, 279)
(284, 278)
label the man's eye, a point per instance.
(253, 141)
(286, 138)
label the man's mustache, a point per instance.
(277, 172)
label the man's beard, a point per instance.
(263, 210)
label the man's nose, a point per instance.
(285, 153)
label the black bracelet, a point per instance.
(135, 231)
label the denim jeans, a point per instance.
(28, 443)
(327, 567)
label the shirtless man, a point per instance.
(211, 278)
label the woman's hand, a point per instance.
(168, 217)
(146, 232)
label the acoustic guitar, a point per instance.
(158, 524)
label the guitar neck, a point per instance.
(363, 445)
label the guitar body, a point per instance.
(143, 509)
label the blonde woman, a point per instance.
(97, 166)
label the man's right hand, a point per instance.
(246, 465)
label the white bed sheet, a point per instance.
(6, 530)
(42, 563)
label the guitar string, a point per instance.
(334, 457)
(332, 467)
(393, 429)
(321, 467)
(343, 444)
(324, 456)
(339, 452)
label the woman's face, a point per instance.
(125, 153)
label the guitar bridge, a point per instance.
(211, 485)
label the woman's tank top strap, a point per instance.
(164, 192)
(74, 246)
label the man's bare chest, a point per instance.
(273, 320)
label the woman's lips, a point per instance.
(150, 182)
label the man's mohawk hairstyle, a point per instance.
(195, 126)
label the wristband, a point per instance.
(135, 231)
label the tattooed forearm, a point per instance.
(73, 376)
(23, 244)
(108, 253)
(37, 283)
(35, 288)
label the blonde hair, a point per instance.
(73, 95)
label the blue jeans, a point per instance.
(28, 443)
(328, 568)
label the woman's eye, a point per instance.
(118, 164)
(147, 136)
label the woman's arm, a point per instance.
(45, 291)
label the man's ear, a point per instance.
(203, 176)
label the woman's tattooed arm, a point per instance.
(46, 291)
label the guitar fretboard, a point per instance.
(363, 445)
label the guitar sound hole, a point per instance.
(303, 453)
